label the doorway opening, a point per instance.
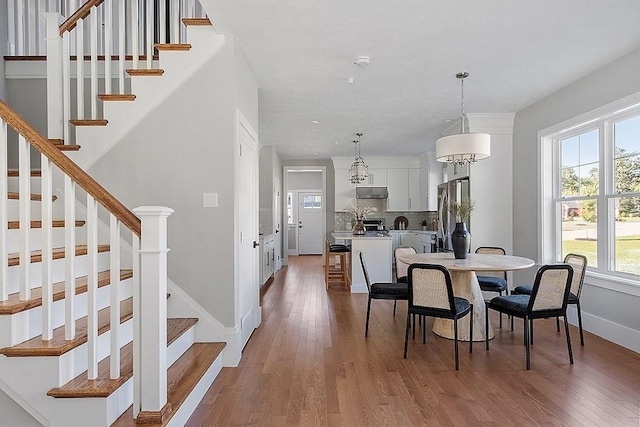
(304, 210)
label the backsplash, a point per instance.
(414, 218)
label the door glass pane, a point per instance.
(579, 229)
(312, 202)
(289, 208)
(627, 235)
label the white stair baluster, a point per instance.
(66, 87)
(114, 266)
(55, 97)
(174, 20)
(122, 27)
(135, 32)
(79, 33)
(3, 211)
(47, 245)
(31, 25)
(108, 42)
(24, 162)
(20, 50)
(92, 287)
(93, 33)
(11, 27)
(150, 26)
(70, 257)
(137, 398)
(161, 22)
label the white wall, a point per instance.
(13, 415)
(304, 180)
(183, 148)
(613, 314)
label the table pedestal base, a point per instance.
(465, 285)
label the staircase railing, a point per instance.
(149, 258)
(122, 32)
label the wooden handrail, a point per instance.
(79, 14)
(74, 171)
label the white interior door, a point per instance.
(310, 206)
(247, 214)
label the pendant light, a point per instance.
(359, 169)
(463, 148)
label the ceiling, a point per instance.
(517, 52)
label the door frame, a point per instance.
(285, 186)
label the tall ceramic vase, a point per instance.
(460, 240)
(358, 229)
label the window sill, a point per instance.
(614, 283)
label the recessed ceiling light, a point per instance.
(336, 142)
(362, 61)
(447, 120)
(317, 122)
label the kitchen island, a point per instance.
(377, 250)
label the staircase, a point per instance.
(81, 335)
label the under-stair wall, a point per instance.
(178, 151)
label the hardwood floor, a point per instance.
(309, 364)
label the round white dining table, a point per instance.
(465, 285)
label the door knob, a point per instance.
(255, 244)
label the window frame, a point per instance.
(550, 191)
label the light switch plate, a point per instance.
(209, 200)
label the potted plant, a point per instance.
(424, 224)
(360, 213)
(460, 237)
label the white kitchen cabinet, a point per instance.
(377, 178)
(267, 257)
(421, 242)
(398, 186)
(345, 191)
(424, 186)
(414, 190)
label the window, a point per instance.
(312, 202)
(290, 208)
(596, 192)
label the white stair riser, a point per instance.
(35, 238)
(57, 271)
(13, 209)
(25, 325)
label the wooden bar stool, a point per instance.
(332, 274)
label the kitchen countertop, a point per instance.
(346, 235)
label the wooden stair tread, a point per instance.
(14, 195)
(14, 173)
(145, 72)
(15, 305)
(182, 377)
(89, 122)
(14, 225)
(117, 97)
(58, 345)
(196, 21)
(103, 386)
(56, 141)
(36, 256)
(173, 46)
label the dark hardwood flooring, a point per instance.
(310, 364)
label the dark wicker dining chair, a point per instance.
(549, 297)
(431, 294)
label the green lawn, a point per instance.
(627, 252)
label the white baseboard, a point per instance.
(614, 332)
(359, 289)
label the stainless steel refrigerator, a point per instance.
(455, 190)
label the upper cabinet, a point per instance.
(405, 178)
(404, 190)
(377, 178)
(345, 191)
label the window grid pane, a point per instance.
(579, 231)
(627, 235)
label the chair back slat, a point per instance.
(579, 264)
(551, 288)
(401, 267)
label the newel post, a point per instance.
(150, 322)
(54, 77)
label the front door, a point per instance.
(310, 206)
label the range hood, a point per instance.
(372, 193)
